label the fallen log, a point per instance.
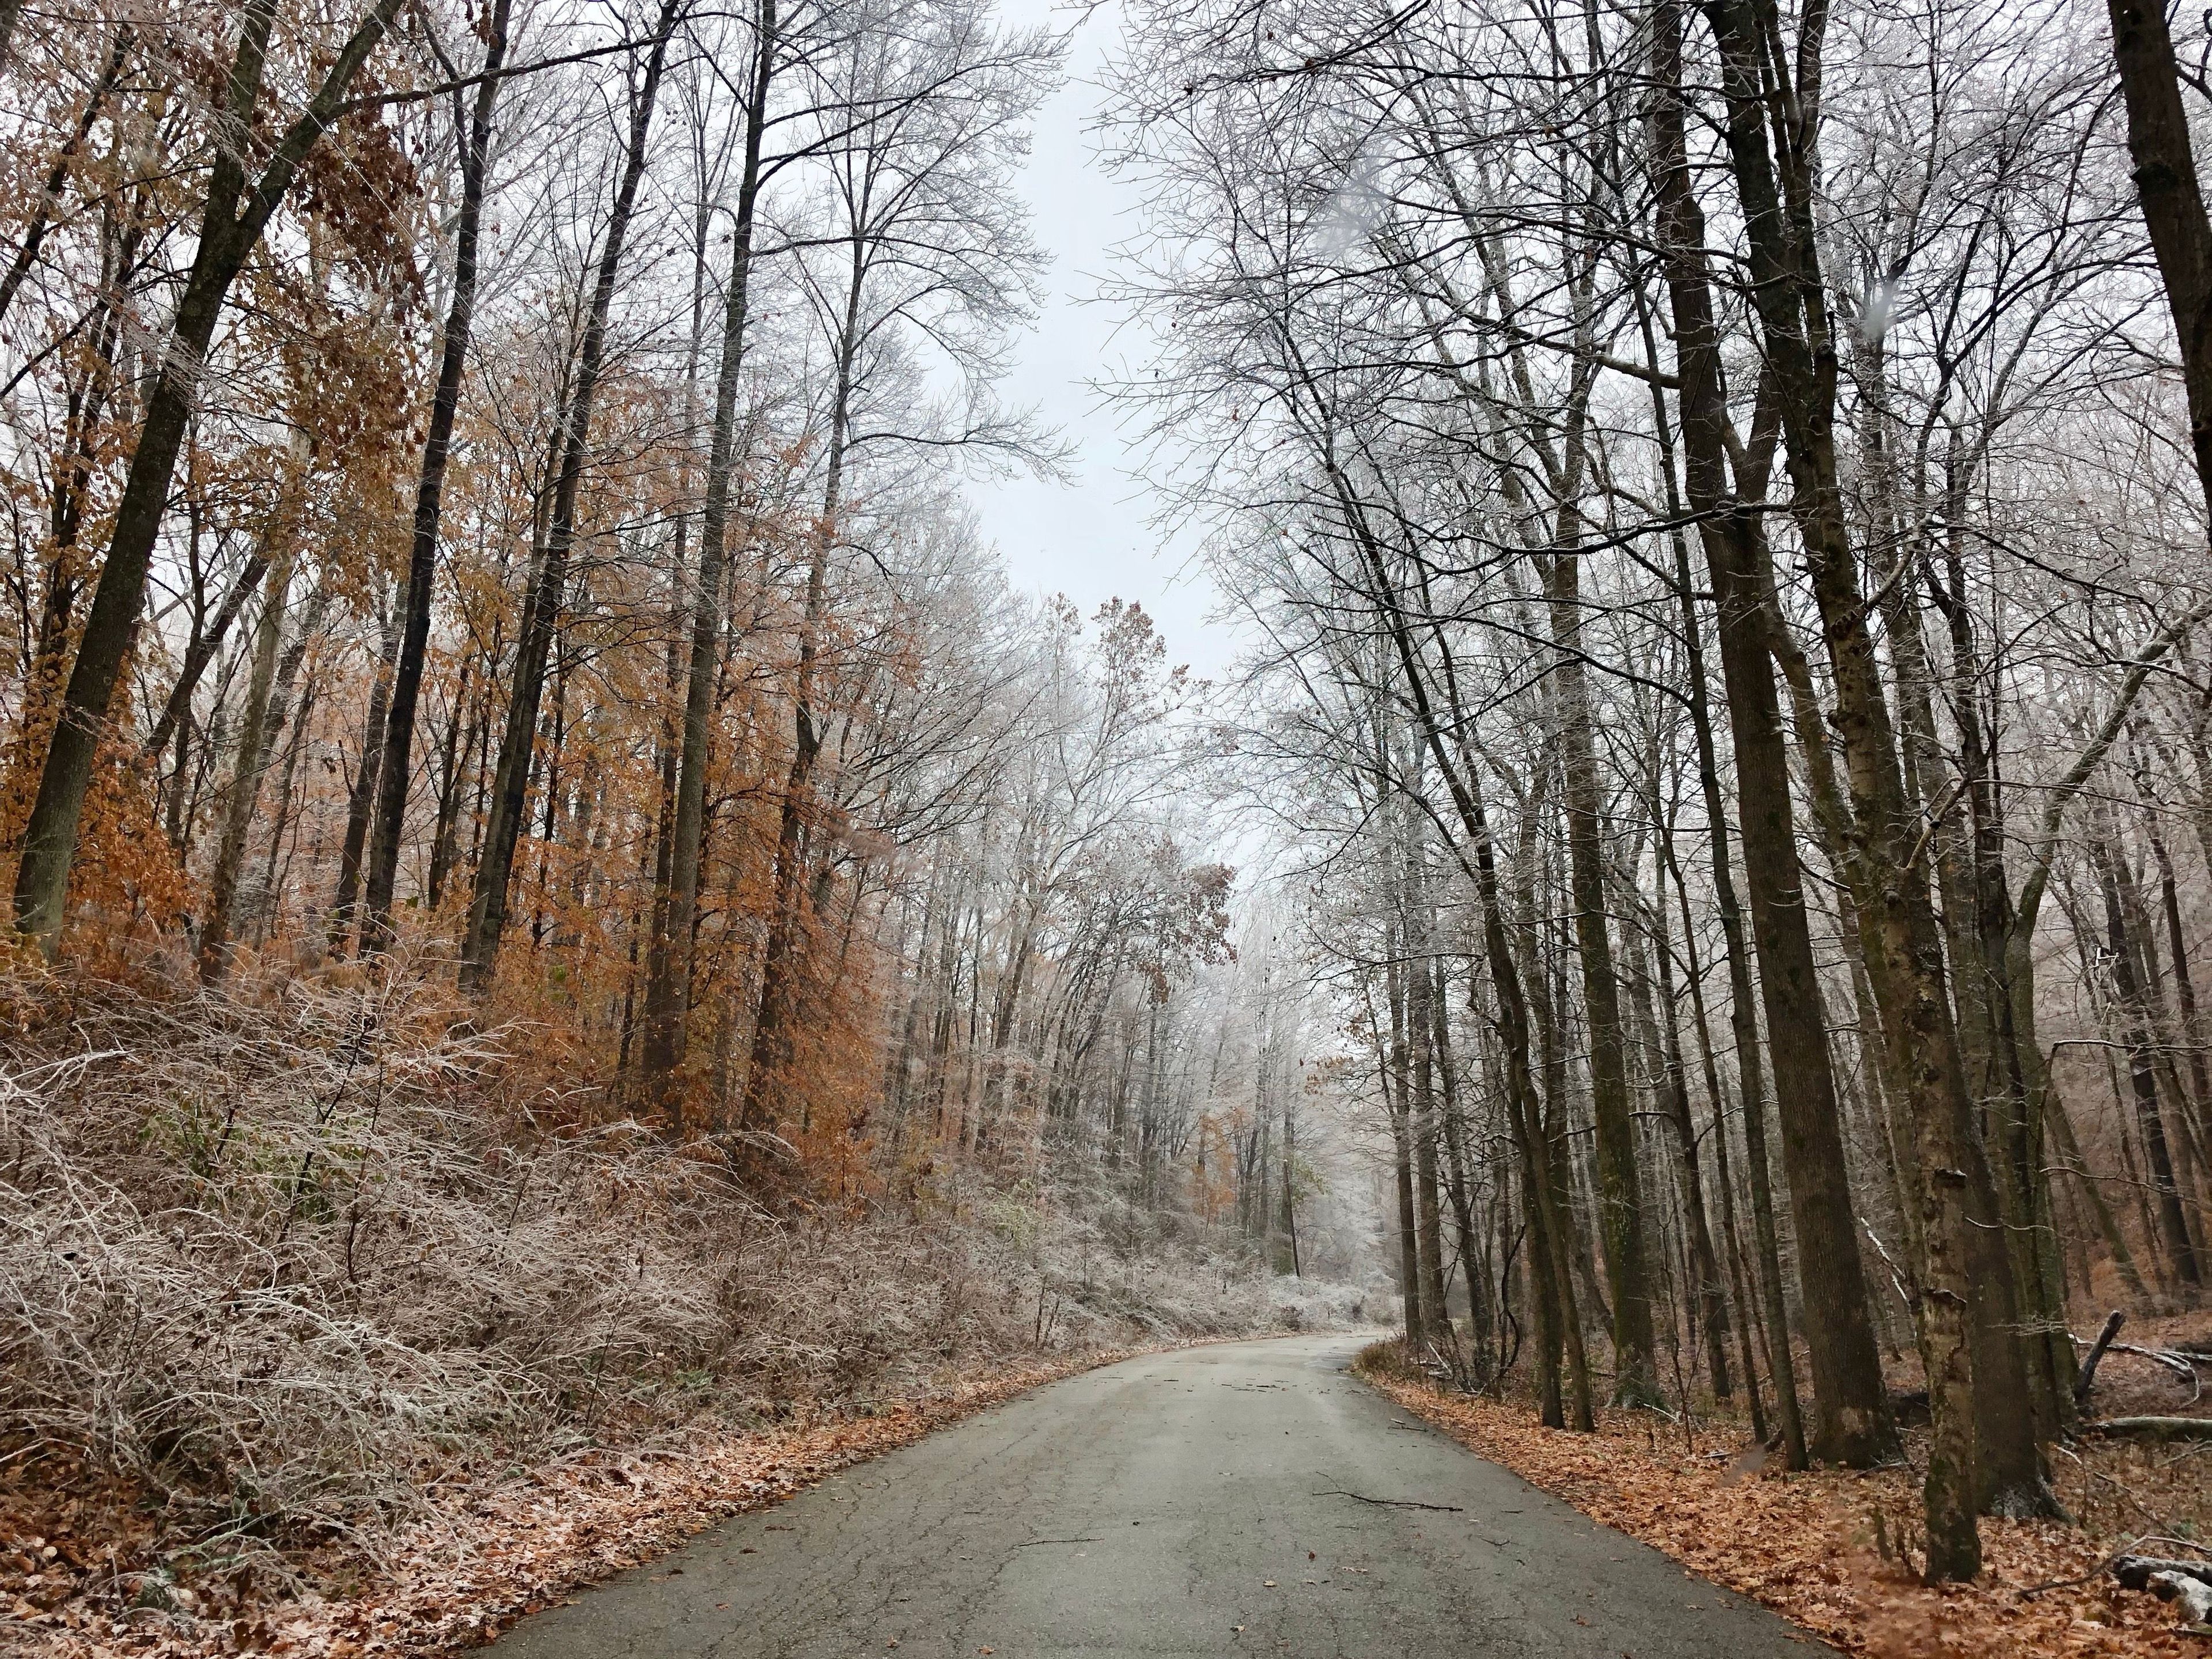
(2135, 1571)
(2194, 1595)
(2189, 1583)
(2154, 1428)
(2181, 1361)
(2180, 1364)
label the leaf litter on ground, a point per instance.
(1831, 1549)
(70, 1590)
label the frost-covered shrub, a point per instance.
(290, 1259)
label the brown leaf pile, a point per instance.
(473, 1568)
(1810, 1546)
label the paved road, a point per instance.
(1199, 1503)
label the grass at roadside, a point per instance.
(1828, 1548)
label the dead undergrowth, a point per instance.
(328, 1319)
(92, 1579)
(1834, 1550)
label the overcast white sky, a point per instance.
(1090, 539)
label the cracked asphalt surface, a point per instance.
(1247, 1498)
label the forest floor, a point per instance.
(83, 1570)
(1834, 1550)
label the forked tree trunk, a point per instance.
(1851, 1423)
(1896, 921)
(204, 648)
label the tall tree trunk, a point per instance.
(2172, 200)
(2190, 1032)
(465, 715)
(2150, 980)
(258, 900)
(1704, 1260)
(1460, 1184)
(2011, 1418)
(235, 213)
(768, 1078)
(1420, 1022)
(1851, 1423)
(1740, 1277)
(2069, 1149)
(1550, 1247)
(1620, 1198)
(543, 603)
(360, 799)
(1397, 1084)
(1898, 925)
(2016, 1083)
(396, 770)
(251, 758)
(2132, 1002)
(668, 963)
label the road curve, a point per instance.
(1247, 1498)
